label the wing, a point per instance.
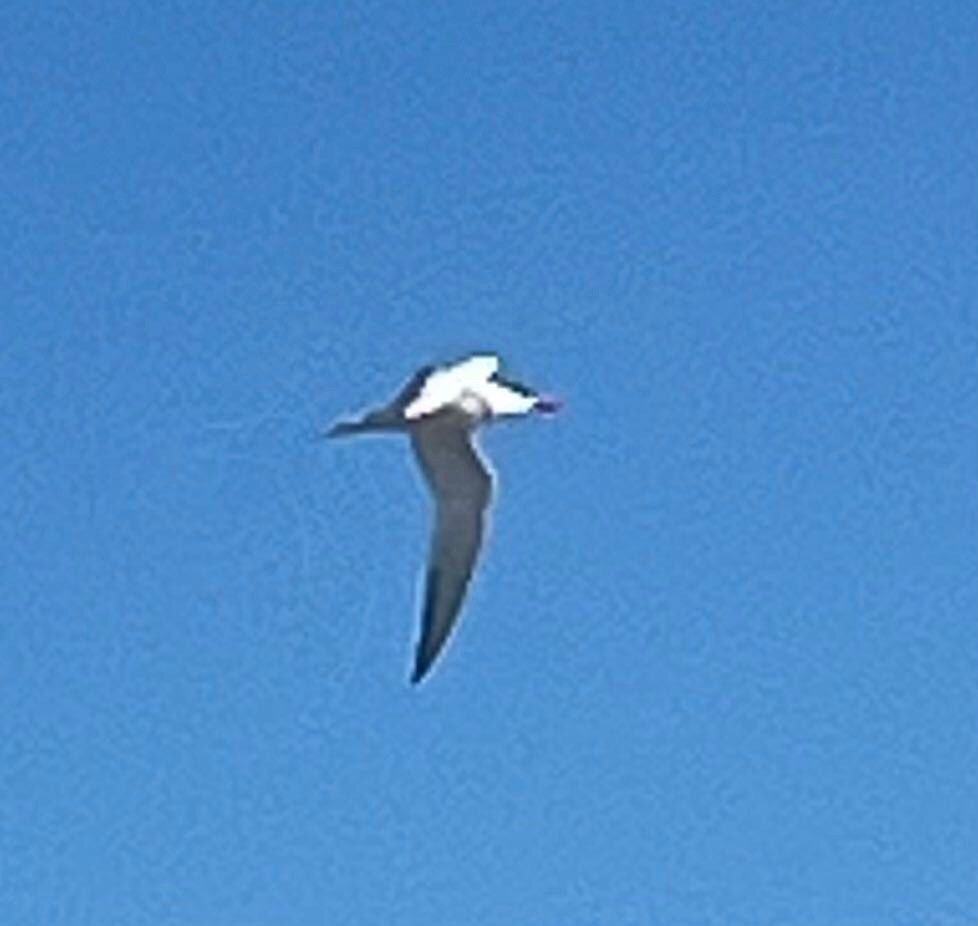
(413, 387)
(462, 487)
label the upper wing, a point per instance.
(462, 488)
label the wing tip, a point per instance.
(427, 649)
(423, 661)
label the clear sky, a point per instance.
(720, 664)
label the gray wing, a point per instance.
(462, 487)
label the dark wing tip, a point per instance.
(428, 646)
(422, 663)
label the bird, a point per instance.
(440, 409)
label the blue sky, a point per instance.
(720, 664)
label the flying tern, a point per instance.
(440, 409)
